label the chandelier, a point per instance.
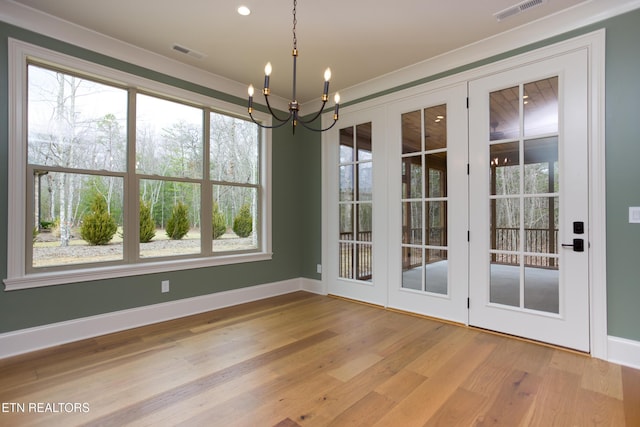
(294, 107)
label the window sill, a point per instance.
(37, 280)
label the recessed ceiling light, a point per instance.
(244, 10)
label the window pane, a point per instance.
(504, 160)
(169, 138)
(541, 166)
(346, 183)
(411, 135)
(175, 209)
(237, 206)
(436, 223)
(75, 122)
(504, 119)
(233, 150)
(346, 221)
(346, 145)
(436, 271)
(77, 219)
(541, 224)
(365, 181)
(412, 223)
(345, 261)
(541, 107)
(363, 141)
(542, 288)
(436, 182)
(505, 283)
(412, 177)
(364, 260)
(365, 221)
(435, 127)
(412, 268)
(505, 223)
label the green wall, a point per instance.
(297, 186)
(32, 307)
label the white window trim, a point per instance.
(17, 276)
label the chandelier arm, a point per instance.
(275, 116)
(316, 115)
(282, 122)
(306, 126)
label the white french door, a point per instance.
(354, 167)
(528, 184)
(427, 188)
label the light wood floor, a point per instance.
(310, 360)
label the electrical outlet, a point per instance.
(165, 286)
(319, 268)
(634, 215)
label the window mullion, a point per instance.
(206, 195)
(131, 217)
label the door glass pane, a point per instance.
(412, 268)
(346, 183)
(436, 271)
(505, 220)
(345, 262)
(542, 287)
(541, 224)
(436, 229)
(412, 223)
(436, 179)
(504, 119)
(363, 142)
(364, 262)
(541, 166)
(505, 283)
(435, 127)
(346, 145)
(411, 134)
(540, 101)
(504, 160)
(346, 222)
(412, 177)
(365, 181)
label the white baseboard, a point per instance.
(313, 286)
(36, 338)
(623, 351)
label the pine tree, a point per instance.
(178, 224)
(243, 222)
(218, 221)
(147, 225)
(98, 226)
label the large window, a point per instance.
(126, 176)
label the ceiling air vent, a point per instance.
(187, 51)
(518, 8)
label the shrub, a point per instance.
(98, 226)
(218, 221)
(147, 224)
(243, 222)
(178, 224)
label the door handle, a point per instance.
(578, 245)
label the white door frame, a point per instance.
(595, 43)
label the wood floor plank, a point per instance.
(306, 360)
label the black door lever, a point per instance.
(578, 245)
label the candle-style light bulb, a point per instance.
(327, 76)
(336, 99)
(250, 107)
(267, 73)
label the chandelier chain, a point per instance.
(295, 21)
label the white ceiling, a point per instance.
(359, 39)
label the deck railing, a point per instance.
(356, 260)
